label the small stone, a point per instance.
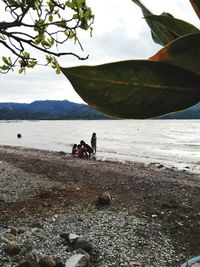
(28, 246)
(47, 261)
(38, 224)
(80, 243)
(45, 194)
(135, 264)
(13, 231)
(104, 199)
(22, 230)
(29, 257)
(12, 248)
(40, 235)
(9, 237)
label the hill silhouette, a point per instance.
(49, 110)
(66, 110)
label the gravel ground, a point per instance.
(153, 219)
(119, 239)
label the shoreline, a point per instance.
(162, 203)
(157, 164)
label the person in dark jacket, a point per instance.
(88, 149)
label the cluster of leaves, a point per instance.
(44, 24)
(137, 89)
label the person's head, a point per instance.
(82, 143)
(75, 146)
(79, 146)
(94, 135)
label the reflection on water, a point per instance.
(172, 142)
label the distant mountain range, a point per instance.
(49, 110)
(66, 110)
(190, 113)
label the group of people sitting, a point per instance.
(83, 150)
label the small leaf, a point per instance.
(5, 60)
(2, 37)
(50, 18)
(58, 71)
(135, 89)
(183, 52)
(70, 4)
(21, 70)
(26, 54)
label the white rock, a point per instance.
(73, 236)
(77, 260)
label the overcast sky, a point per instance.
(119, 33)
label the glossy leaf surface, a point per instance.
(183, 52)
(165, 28)
(160, 34)
(135, 89)
(174, 27)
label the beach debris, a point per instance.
(193, 262)
(104, 199)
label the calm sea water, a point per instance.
(169, 142)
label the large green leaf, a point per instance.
(196, 6)
(135, 89)
(173, 27)
(165, 28)
(183, 52)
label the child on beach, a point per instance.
(94, 142)
(74, 149)
(80, 151)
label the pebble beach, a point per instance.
(152, 219)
